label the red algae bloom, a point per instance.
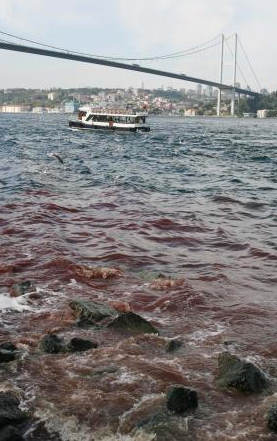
(97, 272)
(120, 306)
(164, 284)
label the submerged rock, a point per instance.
(103, 370)
(8, 346)
(91, 312)
(272, 418)
(180, 399)
(6, 356)
(40, 433)
(9, 410)
(240, 375)
(18, 289)
(234, 343)
(172, 345)
(10, 433)
(166, 427)
(80, 344)
(51, 344)
(272, 369)
(131, 322)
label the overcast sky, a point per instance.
(136, 28)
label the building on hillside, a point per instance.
(199, 89)
(14, 109)
(52, 96)
(190, 112)
(262, 113)
(210, 91)
(71, 106)
(39, 110)
(54, 110)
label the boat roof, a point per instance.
(114, 112)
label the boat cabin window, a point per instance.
(140, 119)
(121, 119)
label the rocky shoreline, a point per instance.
(234, 374)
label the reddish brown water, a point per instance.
(194, 201)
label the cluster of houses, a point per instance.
(170, 101)
(68, 107)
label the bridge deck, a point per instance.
(116, 64)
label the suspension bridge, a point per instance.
(37, 48)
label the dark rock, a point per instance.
(166, 427)
(103, 370)
(79, 344)
(91, 312)
(10, 433)
(18, 289)
(6, 356)
(99, 372)
(240, 375)
(131, 322)
(180, 399)
(272, 369)
(231, 343)
(40, 433)
(8, 346)
(97, 314)
(51, 344)
(172, 345)
(9, 410)
(272, 418)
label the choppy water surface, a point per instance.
(193, 200)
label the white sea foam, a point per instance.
(204, 334)
(70, 429)
(140, 435)
(148, 398)
(128, 377)
(24, 303)
(73, 282)
(15, 303)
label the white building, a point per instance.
(38, 110)
(190, 112)
(52, 96)
(262, 113)
(14, 109)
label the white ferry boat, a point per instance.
(110, 119)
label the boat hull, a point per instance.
(79, 125)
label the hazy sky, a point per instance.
(136, 28)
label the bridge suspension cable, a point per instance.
(250, 65)
(185, 52)
(44, 49)
(239, 68)
(248, 62)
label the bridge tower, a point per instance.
(220, 77)
(235, 77)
